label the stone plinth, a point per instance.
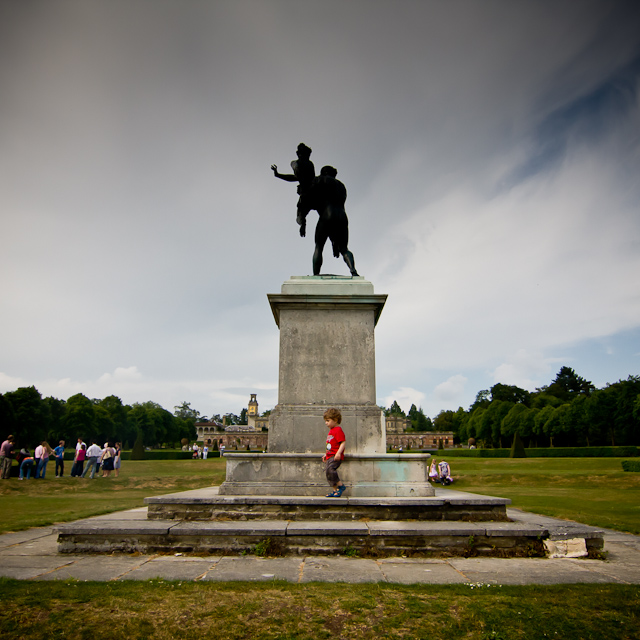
(386, 475)
(327, 359)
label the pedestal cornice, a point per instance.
(279, 301)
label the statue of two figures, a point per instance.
(326, 195)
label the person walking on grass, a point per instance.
(78, 460)
(334, 456)
(107, 459)
(59, 453)
(6, 456)
(42, 453)
(93, 453)
(117, 459)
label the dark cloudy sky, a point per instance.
(491, 151)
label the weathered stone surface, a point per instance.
(572, 548)
(323, 528)
(327, 359)
(353, 570)
(379, 475)
(256, 569)
(295, 508)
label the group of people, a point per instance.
(200, 452)
(440, 472)
(97, 458)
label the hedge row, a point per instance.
(160, 454)
(551, 452)
(631, 465)
(154, 454)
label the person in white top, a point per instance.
(93, 453)
(205, 452)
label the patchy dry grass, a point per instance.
(594, 491)
(168, 610)
(34, 503)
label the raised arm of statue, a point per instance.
(283, 176)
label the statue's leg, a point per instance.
(351, 263)
(321, 239)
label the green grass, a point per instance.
(168, 610)
(36, 503)
(593, 491)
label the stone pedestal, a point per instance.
(327, 359)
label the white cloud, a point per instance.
(525, 370)
(451, 389)
(121, 374)
(405, 397)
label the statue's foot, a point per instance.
(354, 274)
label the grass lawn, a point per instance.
(593, 491)
(168, 610)
(36, 503)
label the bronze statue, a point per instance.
(327, 196)
(303, 173)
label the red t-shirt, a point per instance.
(334, 438)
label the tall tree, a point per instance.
(80, 418)
(395, 410)
(8, 420)
(57, 411)
(510, 393)
(568, 384)
(31, 413)
(419, 422)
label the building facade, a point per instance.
(254, 433)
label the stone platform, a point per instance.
(280, 534)
(208, 504)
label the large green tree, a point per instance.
(80, 418)
(510, 393)
(419, 421)
(395, 410)
(31, 415)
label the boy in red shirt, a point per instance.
(336, 443)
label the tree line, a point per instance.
(568, 412)
(32, 419)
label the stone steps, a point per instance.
(282, 537)
(202, 522)
(206, 504)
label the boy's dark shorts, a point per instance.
(331, 469)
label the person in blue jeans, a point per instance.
(93, 454)
(43, 451)
(25, 460)
(59, 453)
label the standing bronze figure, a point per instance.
(326, 195)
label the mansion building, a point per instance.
(254, 435)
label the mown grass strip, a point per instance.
(168, 610)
